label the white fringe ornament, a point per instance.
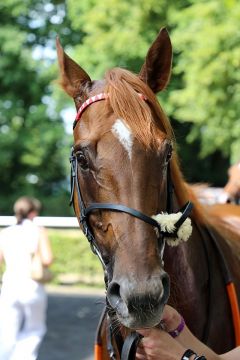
(167, 221)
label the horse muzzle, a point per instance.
(139, 304)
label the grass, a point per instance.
(73, 258)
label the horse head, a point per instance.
(122, 146)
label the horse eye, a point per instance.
(169, 154)
(82, 160)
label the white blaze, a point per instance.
(124, 135)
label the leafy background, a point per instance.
(202, 100)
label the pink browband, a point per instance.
(93, 99)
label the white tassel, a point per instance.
(167, 221)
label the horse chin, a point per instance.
(143, 321)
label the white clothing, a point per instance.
(23, 302)
(18, 243)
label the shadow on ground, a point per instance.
(72, 321)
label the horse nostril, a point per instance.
(113, 294)
(166, 288)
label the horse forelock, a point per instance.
(146, 119)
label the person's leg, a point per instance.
(11, 318)
(34, 327)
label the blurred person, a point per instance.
(23, 301)
(230, 193)
(232, 188)
(176, 342)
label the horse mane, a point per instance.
(149, 124)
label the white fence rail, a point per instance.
(46, 221)
(207, 195)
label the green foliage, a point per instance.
(33, 143)
(204, 89)
(202, 99)
(208, 41)
(116, 33)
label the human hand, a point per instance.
(158, 345)
(170, 319)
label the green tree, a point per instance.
(199, 99)
(33, 143)
(207, 39)
(117, 32)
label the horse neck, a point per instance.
(188, 268)
(183, 263)
(196, 277)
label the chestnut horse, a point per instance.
(123, 172)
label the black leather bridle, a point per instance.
(86, 211)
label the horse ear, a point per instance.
(156, 70)
(72, 75)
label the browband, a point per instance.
(93, 99)
(89, 101)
